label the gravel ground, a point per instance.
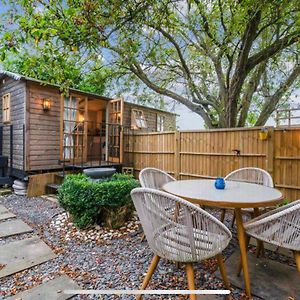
(101, 259)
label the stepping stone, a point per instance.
(50, 197)
(52, 289)
(20, 255)
(210, 297)
(13, 227)
(269, 279)
(5, 213)
(5, 191)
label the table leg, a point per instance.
(243, 249)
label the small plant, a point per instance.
(284, 202)
(91, 202)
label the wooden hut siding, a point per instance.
(150, 116)
(17, 90)
(43, 131)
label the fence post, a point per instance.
(177, 155)
(270, 152)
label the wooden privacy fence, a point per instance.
(212, 153)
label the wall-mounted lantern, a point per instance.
(46, 104)
(263, 134)
(81, 118)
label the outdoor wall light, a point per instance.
(263, 134)
(46, 104)
(81, 118)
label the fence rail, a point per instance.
(212, 153)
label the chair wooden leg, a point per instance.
(240, 260)
(297, 259)
(149, 274)
(259, 248)
(143, 237)
(191, 279)
(223, 215)
(223, 270)
(233, 220)
(259, 244)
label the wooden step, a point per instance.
(53, 186)
(61, 175)
(59, 178)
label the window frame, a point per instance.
(138, 122)
(160, 122)
(6, 113)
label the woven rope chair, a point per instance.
(250, 175)
(154, 178)
(280, 227)
(185, 233)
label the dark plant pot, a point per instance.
(97, 173)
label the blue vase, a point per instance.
(220, 183)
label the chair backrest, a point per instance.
(251, 175)
(154, 178)
(176, 229)
(280, 226)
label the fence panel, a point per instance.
(212, 153)
(287, 161)
(155, 150)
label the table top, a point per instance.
(235, 195)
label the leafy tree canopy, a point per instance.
(229, 61)
(65, 70)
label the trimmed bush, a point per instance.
(90, 202)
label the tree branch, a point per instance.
(272, 49)
(185, 67)
(250, 90)
(137, 70)
(241, 71)
(222, 16)
(272, 102)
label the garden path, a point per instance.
(5, 214)
(270, 279)
(25, 253)
(13, 227)
(52, 289)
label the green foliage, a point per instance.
(89, 202)
(224, 59)
(284, 202)
(65, 70)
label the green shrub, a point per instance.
(89, 202)
(284, 202)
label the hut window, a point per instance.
(6, 108)
(160, 123)
(138, 119)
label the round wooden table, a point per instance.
(236, 195)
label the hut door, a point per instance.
(114, 131)
(74, 129)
